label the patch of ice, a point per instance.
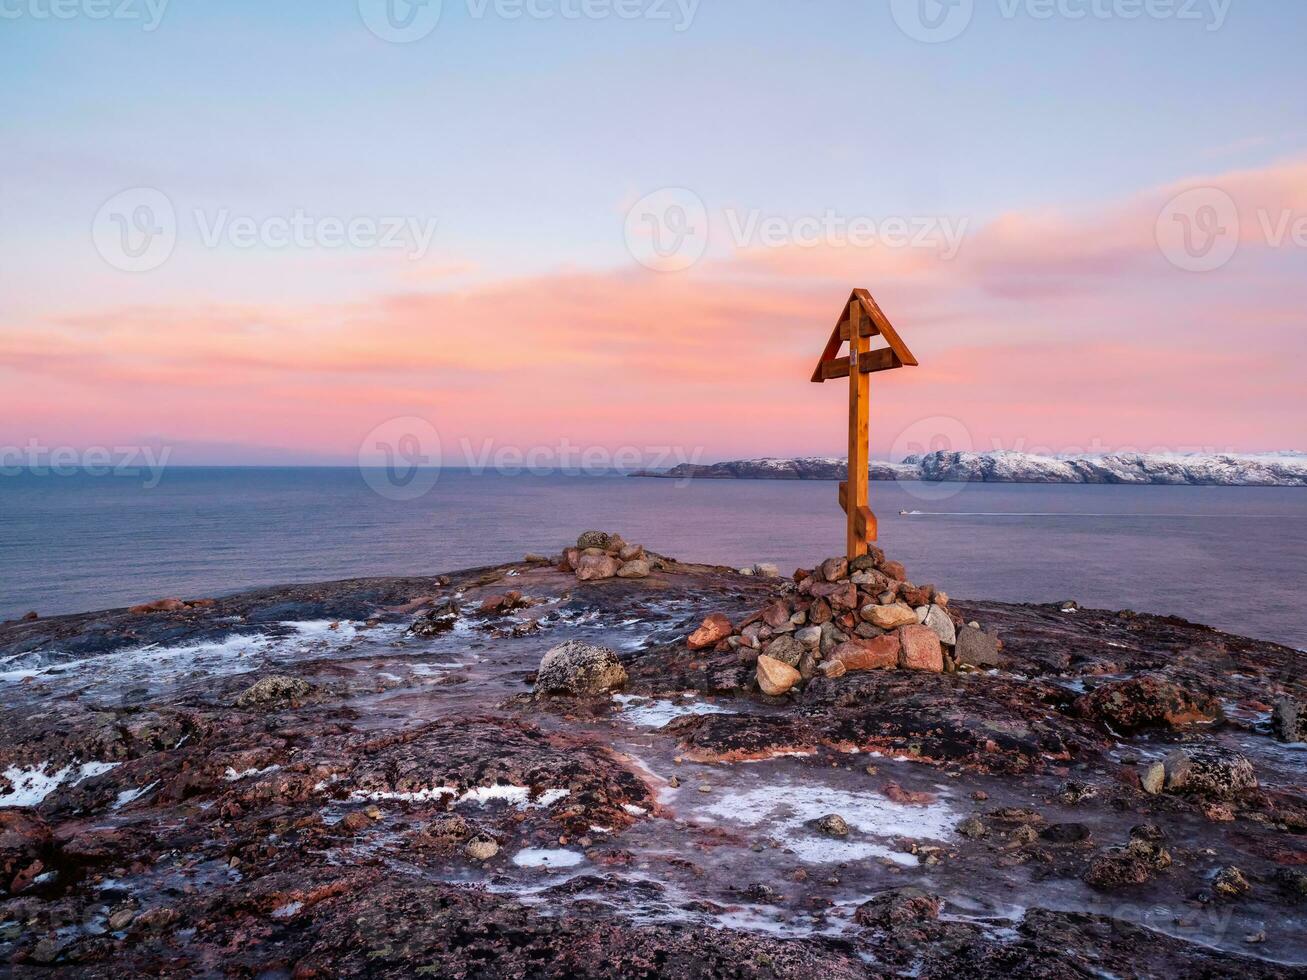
(547, 858)
(786, 809)
(32, 786)
(433, 670)
(287, 911)
(131, 795)
(655, 713)
(236, 653)
(231, 775)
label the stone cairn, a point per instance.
(599, 555)
(851, 616)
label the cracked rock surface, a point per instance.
(395, 799)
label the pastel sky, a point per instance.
(1105, 224)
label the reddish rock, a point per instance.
(23, 837)
(916, 595)
(776, 614)
(1148, 701)
(898, 794)
(495, 605)
(921, 649)
(819, 612)
(592, 567)
(833, 668)
(834, 569)
(878, 653)
(893, 569)
(158, 605)
(714, 629)
(845, 597)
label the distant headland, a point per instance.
(1277, 469)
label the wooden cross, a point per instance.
(860, 320)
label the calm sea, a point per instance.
(1230, 557)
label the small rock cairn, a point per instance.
(851, 616)
(600, 555)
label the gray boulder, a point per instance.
(938, 620)
(1211, 772)
(1286, 721)
(977, 648)
(786, 649)
(636, 568)
(275, 689)
(579, 670)
(594, 539)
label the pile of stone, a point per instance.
(851, 616)
(599, 555)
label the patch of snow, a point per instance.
(518, 796)
(533, 857)
(131, 795)
(32, 786)
(287, 911)
(786, 809)
(231, 775)
(633, 810)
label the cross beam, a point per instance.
(861, 320)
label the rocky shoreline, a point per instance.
(1287, 469)
(608, 762)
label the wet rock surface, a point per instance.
(394, 800)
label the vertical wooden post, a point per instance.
(859, 391)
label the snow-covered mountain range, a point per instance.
(1276, 469)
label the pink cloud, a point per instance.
(1050, 329)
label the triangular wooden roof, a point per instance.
(896, 356)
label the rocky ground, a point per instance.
(382, 777)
